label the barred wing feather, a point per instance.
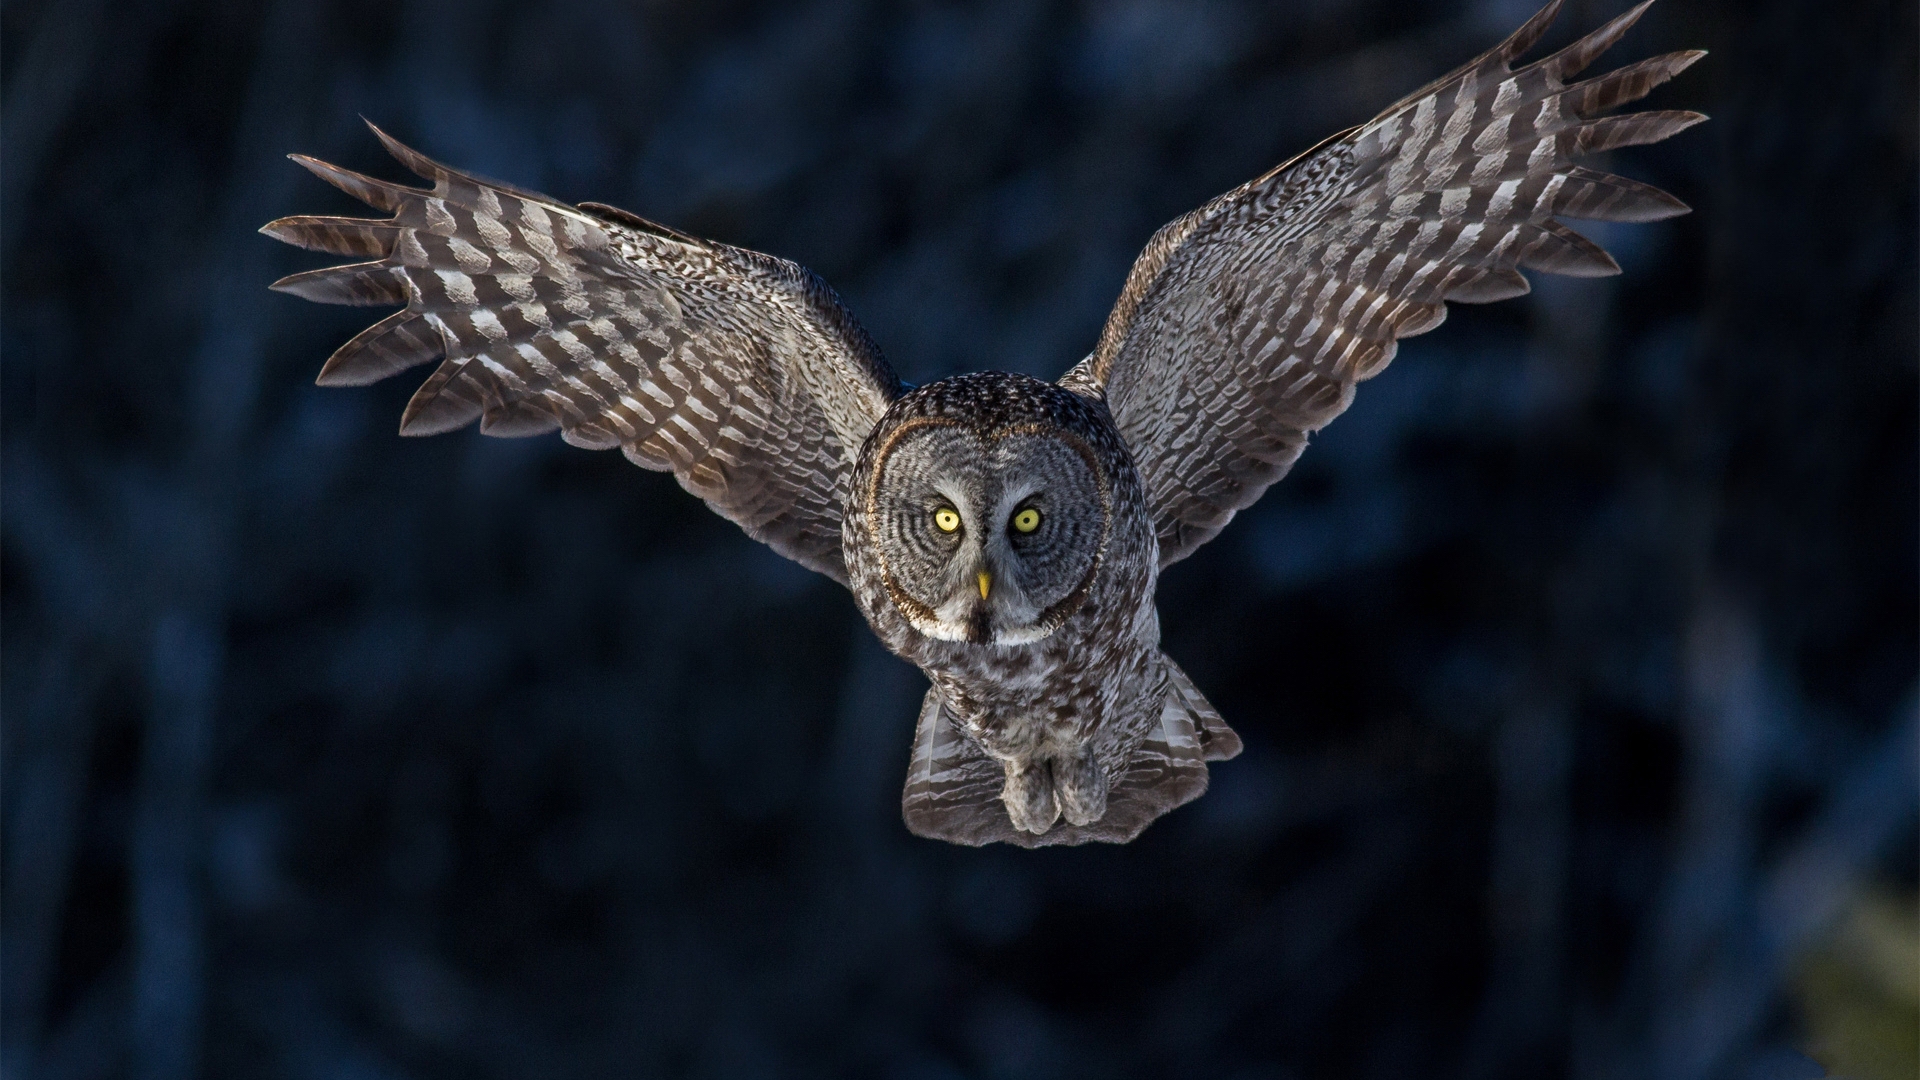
(739, 372)
(1245, 325)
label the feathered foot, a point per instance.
(1080, 786)
(1028, 794)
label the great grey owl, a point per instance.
(1002, 533)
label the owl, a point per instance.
(1002, 533)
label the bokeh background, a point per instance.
(1576, 664)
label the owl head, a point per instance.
(988, 507)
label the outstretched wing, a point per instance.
(1245, 324)
(739, 372)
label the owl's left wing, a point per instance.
(738, 372)
(1245, 325)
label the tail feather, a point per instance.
(953, 787)
(1218, 742)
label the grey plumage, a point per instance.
(1003, 533)
(739, 372)
(1051, 698)
(1296, 286)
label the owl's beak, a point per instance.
(986, 583)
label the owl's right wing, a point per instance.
(1245, 325)
(739, 372)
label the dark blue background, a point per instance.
(1575, 664)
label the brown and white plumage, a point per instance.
(953, 788)
(1243, 327)
(1245, 324)
(739, 372)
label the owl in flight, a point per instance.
(1002, 533)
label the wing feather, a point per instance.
(400, 341)
(1245, 325)
(740, 373)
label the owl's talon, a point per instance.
(1028, 794)
(1081, 785)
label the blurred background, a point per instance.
(1576, 664)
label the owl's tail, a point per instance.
(1217, 741)
(953, 787)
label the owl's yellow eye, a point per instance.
(1026, 520)
(946, 519)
